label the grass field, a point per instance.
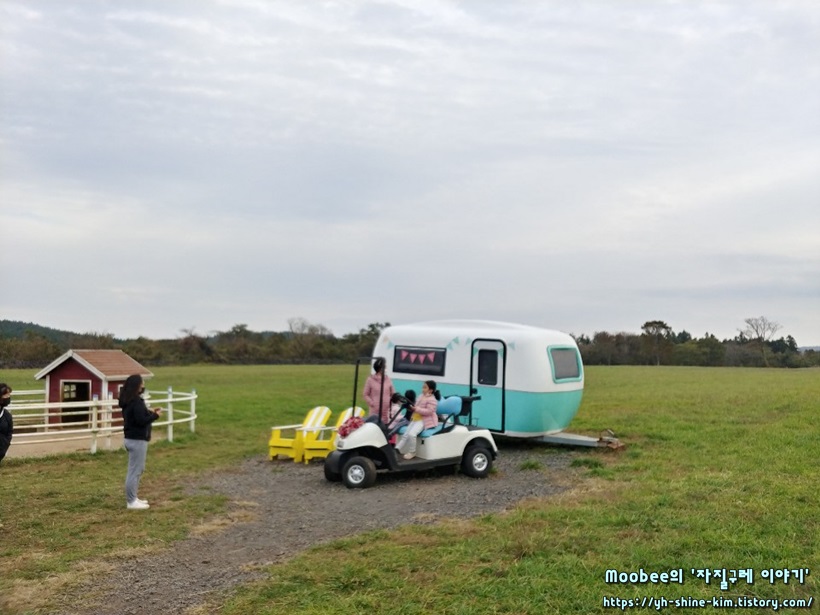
(721, 470)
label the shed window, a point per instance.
(565, 364)
(417, 360)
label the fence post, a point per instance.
(94, 407)
(170, 414)
(193, 410)
(107, 421)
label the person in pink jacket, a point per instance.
(372, 387)
(424, 417)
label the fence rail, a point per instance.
(94, 419)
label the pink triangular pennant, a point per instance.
(431, 357)
(413, 358)
(404, 354)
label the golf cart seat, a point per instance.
(447, 409)
(325, 437)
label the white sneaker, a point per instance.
(141, 500)
(137, 505)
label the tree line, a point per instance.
(658, 344)
(25, 345)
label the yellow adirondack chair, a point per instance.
(289, 440)
(325, 441)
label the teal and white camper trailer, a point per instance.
(530, 380)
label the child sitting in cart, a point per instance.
(399, 413)
(424, 417)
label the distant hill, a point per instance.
(807, 348)
(17, 329)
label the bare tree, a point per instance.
(656, 333)
(306, 338)
(760, 330)
(300, 326)
(194, 348)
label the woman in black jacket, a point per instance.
(136, 421)
(6, 420)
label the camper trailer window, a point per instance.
(416, 360)
(565, 364)
(488, 367)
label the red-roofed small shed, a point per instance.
(79, 375)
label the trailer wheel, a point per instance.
(331, 475)
(359, 473)
(477, 461)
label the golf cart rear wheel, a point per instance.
(477, 461)
(359, 473)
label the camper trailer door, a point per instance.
(488, 370)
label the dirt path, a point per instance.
(280, 508)
(20, 448)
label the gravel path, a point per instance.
(280, 508)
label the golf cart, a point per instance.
(361, 453)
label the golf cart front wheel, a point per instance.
(477, 462)
(332, 475)
(359, 473)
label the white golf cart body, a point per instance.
(366, 450)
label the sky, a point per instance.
(177, 166)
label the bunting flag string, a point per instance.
(430, 357)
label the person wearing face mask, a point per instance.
(136, 419)
(6, 420)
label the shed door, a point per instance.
(487, 379)
(74, 391)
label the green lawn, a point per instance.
(721, 470)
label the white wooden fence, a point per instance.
(91, 420)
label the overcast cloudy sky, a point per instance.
(583, 166)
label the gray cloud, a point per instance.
(583, 166)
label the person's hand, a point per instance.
(157, 411)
